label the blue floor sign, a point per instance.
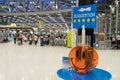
(94, 74)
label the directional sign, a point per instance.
(84, 15)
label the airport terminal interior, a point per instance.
(38, 37)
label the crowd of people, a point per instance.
(21, 38)
(115, 42)
(42, 40)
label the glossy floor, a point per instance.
(27, 62)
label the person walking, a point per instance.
(30, 40)
(35, 39)
(15, 37)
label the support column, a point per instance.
(117, 6)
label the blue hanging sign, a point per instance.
(84, 15)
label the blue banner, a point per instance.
(84, 15)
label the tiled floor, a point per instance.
(27, 62)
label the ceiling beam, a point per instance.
(61, 17)
(54, 20)
(35, 13)
(67, 2)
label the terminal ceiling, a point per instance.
(57, 13)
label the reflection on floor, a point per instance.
(30, 62)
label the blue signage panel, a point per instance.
(84, 15)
